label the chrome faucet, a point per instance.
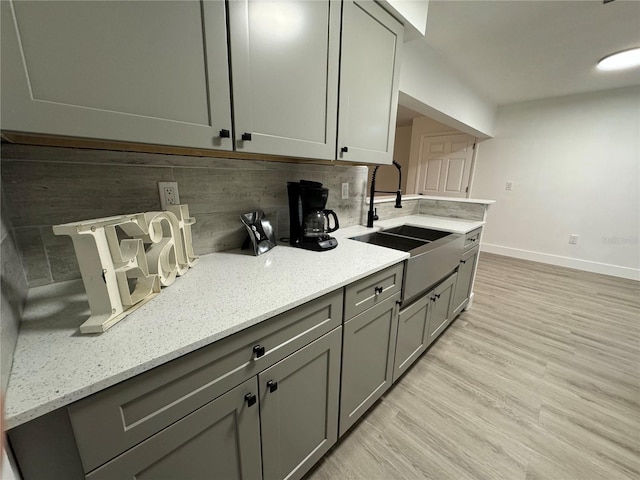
(372, 214)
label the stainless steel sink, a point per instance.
(433, 255)
(391, 241)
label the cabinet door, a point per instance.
(219, 440)
(369, 75)
(151, 72)
(284, 59)
(465, 280)
(367, 361)
(299, 408)
(441, 308)
(412, 335)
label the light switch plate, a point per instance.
(345, 191)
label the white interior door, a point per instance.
(445, 165)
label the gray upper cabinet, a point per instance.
(220, 440)
(145, 72)
(284, 59)
(369, 76)
(299, 408)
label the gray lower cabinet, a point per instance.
(466, 272)
(413, 334)
(299, 399)
(367, 359)
(162, 420)
(441, 307)
(219, 440)
(290, 411)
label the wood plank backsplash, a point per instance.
(45, 186)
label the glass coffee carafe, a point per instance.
(316, 223)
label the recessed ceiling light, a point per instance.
(617, 61)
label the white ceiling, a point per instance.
(514, 51)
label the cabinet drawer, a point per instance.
(472, 238)
(372, 290)
(120, 417)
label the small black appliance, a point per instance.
(308, 219)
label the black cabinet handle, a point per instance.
(433, 299)
(378, 290)
(250, 398)
(224, 133)
(437, 296)
(258, 350)
(344, 149)
(272, 386)
(246, 137)
(463, 261)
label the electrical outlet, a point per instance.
(573, 239)
(345, 191)
(509, 186)
(168, 194)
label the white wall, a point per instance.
(575, 166)
(429, 86)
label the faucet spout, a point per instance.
(399, 192)
(372, 214)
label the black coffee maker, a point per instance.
(308, 219)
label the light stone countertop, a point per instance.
(54, 365)
(455, 225)
(392, 198)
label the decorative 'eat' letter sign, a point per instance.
(124, 260)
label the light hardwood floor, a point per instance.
(539, 380)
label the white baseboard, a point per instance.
(585, 265)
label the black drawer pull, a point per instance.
(437, 296)
(378, 290)
(250, 398)
(273, 386)
(258, 350)
(224, 133)
(344, 149)
(246, 137)
(463, 261)
(433, 299)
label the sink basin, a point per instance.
(434, 254)
(391, 241)
(417, 232)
